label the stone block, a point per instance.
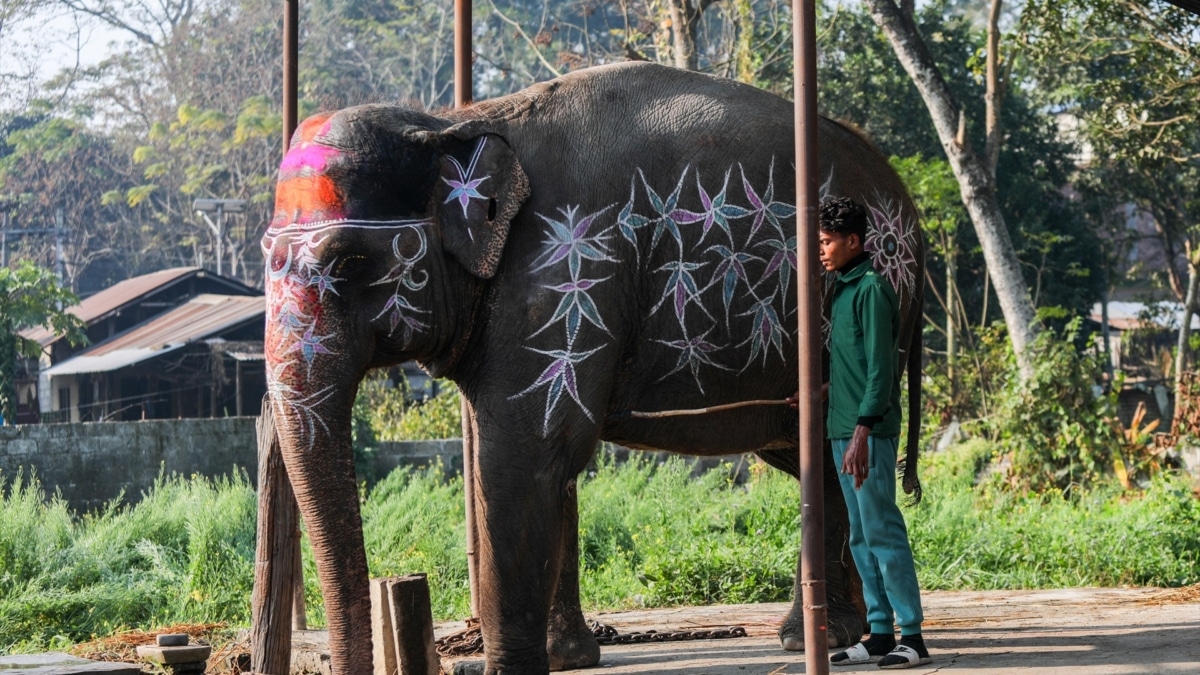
(171, 639)
(58, 663)
(171, 656)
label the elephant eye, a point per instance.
(351, 266)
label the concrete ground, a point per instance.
(1068, 632)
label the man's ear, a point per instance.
(479, 190)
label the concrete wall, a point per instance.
(92, 463)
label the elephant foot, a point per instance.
(844, 629)
(570, 644)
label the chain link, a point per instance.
(469, 641)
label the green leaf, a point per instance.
(139, 194)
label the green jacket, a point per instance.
(864, 354)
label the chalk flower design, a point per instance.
(693, 352)
(716, 211)
(731, 268)
(575, 306)
(765, 208)
(569, 240)
(681, 288)
(670, 216)
(559, 378)
(767, 331)
(893, 248)
(465, 187)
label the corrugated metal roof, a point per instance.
(202, 317)
(122, 294)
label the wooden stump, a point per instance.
(276, 559)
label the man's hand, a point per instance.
(794, 399)
(854, 461)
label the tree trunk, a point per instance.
(992, 95)
(684, 20)
(974, 179)
(1185, 328)
(951, 313)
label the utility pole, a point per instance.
(7, 205)
(203, 207)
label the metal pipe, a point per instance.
(808, 319)
(291, 22)
(462, 53)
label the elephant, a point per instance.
(618, 239)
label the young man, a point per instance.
(863, 425)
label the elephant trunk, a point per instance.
(318, 455)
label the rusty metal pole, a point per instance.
(808, 318)
(291, 21)
(463, 78)
(462, 53)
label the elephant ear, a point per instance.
(480, 188)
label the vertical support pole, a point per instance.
(808, 310)
(220, 238)
(470, 439)
(237, 387)
(291, 20)
(291, 61)
(462, 53)
(59, 231)
(278, 537)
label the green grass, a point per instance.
(650, 535)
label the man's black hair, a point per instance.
(844, 216)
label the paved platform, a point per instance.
(1058, 632)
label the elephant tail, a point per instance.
(912, 482)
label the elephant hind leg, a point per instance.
(569, 642)
(843, 589)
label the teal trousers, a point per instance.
(879, 540)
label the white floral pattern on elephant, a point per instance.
(686, 278)
(891, 245)
(298, 283)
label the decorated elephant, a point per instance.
(619, 239)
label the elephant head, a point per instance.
(386, 224)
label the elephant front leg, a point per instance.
(521, 498)
(847, 617)
(569, 642)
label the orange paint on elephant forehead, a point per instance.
(312, 126)
(308, 197)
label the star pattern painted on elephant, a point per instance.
(569, 241)
(754, 277)
(465, 187)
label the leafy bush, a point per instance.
(439, 417)
(185, 553)
(1055, 429)
(384, 411)
(650, 535)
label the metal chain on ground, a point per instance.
(607, 635)
(469, 640)
(465, 642)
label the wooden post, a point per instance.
(470, 438)
(808, 338)
(274, 557)
(412, 621)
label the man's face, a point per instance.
(838, 249)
